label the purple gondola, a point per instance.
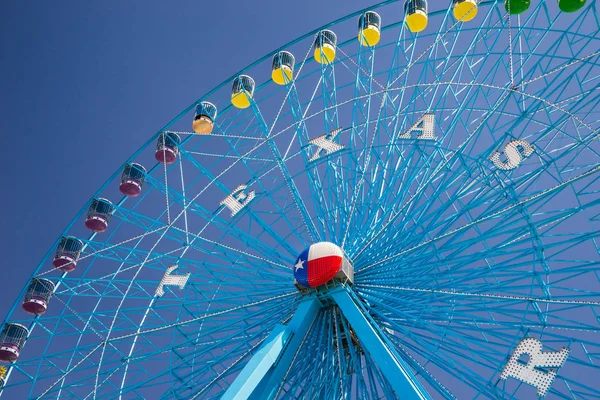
(38, 294)
(12, 339)
(132, 179)
(98, 215)
(167, 147)
(67, 253)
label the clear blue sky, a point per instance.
(85, 84)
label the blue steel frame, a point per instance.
(263, 374)
(456, 260)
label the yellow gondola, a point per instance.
(369, 28)
(465, 10)
(242, 91)
(325, 47)
(283, 67)
(416, 15)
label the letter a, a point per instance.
(425, 126)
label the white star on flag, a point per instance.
(299, 265)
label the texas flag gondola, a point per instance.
(318, 264)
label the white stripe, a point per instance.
(323, 249)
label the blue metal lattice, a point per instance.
(456, 259)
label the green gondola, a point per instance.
(516, 6)
(570, 5)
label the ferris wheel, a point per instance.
(410, 209)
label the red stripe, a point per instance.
(321, 270)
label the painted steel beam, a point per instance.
(393, 367)
(264, 372)
(259, 365)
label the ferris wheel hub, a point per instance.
(321, 263)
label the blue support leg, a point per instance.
(264, 372)
(393, 367)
